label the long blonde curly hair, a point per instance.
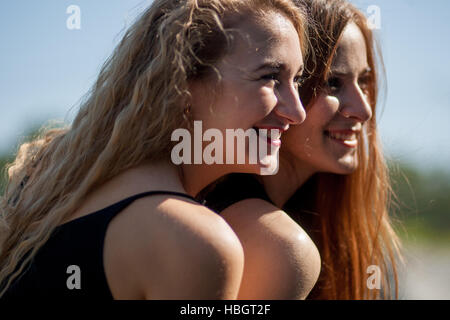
(126, 119)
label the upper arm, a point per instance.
(281, 260)
(187, 252)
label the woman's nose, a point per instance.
(290, 106)
(356, 105)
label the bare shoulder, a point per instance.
(173, 248)
(281, 260)
(257, 214)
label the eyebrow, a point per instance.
(338, 72)
(276, 65)
(270, 65)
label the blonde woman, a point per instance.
(332, 184)
(99, 209)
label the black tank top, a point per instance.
(73, 249)
(231, 189)
(236, 187)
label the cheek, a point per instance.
(296, 139)
(309, 136)
(254, 103)
(318, 117)
(239, 106)
(268, 97)
(323, 111)
(257, 102)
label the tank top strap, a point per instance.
(79, 242)
(108, 213)
(114, 209)
(156, 192)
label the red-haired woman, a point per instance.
(332, 184)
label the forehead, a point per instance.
(351, 53)
(257, 32)
(271, 36)
(268, 27)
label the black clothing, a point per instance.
(76, 243)
(231, 189)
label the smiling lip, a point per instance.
(271, 140)
(347, 138)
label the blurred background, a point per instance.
(51, 52)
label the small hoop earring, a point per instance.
(187, 110)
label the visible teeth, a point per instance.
(272, 134)
(342, 136)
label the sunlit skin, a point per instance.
(258, 89)
(328, 140)
(250, 96)
(281, 261)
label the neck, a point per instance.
(165, 175)
(291, 176)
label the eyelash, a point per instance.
(271, 76)
(334, 87)
(364, 84)
(335, 84)
(298, 80)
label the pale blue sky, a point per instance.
(46, 68)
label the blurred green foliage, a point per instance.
(422, 203)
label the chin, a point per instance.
(269, 165)
(269, 170)
(262, 169)
(346, 166)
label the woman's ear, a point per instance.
(186, 104)
(199, 98)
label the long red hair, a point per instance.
(347, 215)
